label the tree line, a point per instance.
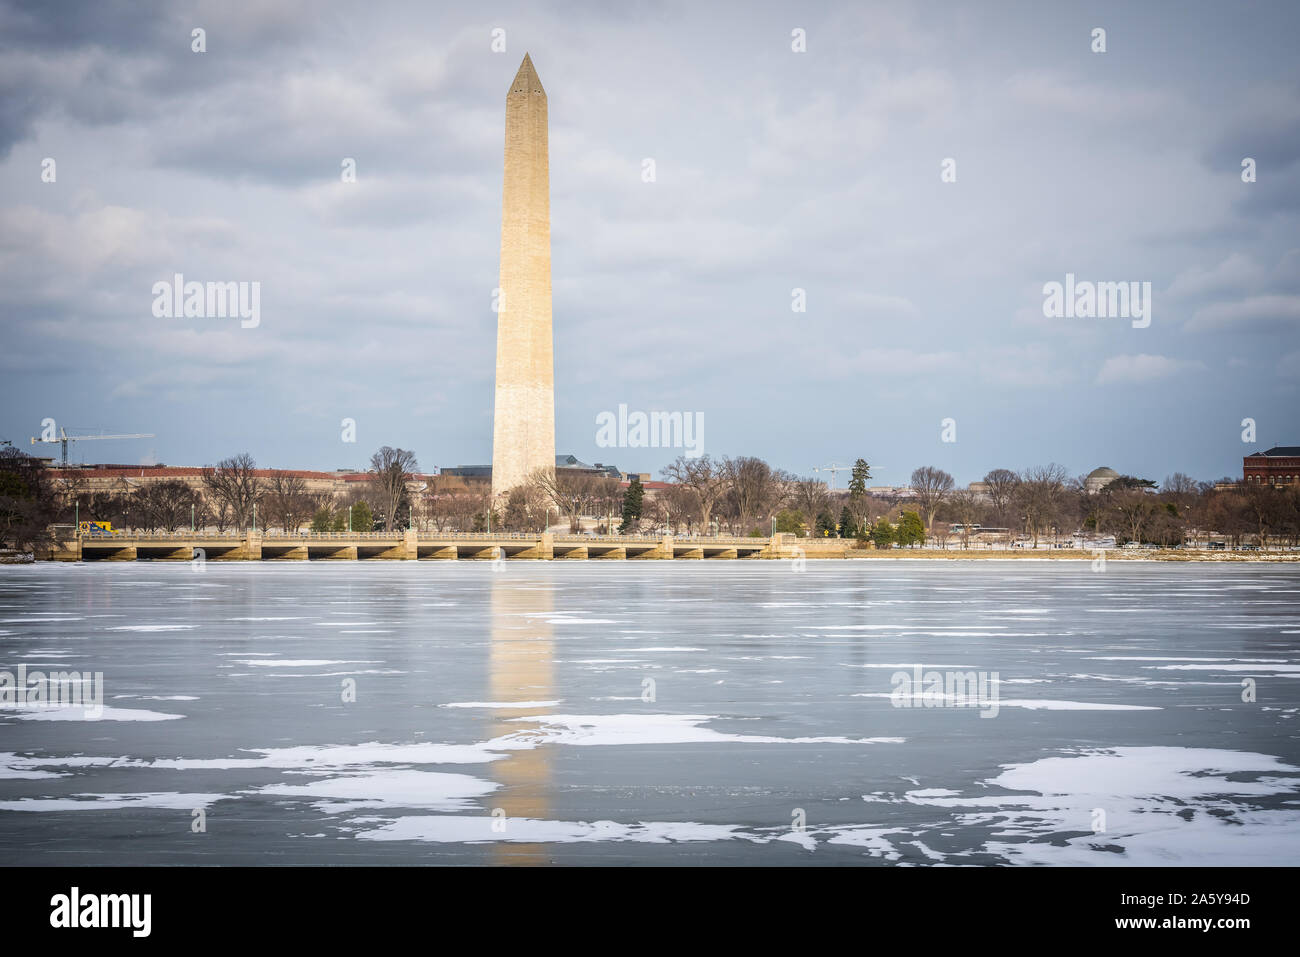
(1045, 502)
(229, 496)
(746, 496)
(735, 496)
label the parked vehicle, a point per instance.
(98, 529)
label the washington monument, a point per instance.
(523, 432)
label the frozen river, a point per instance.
(657, 712)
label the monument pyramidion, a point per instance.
(523, 432)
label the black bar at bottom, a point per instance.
(952, 906)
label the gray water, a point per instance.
(658, 713)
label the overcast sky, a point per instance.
(774, 170)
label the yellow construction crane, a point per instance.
(64, 439)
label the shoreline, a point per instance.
(1062, 555)
(1081, 555)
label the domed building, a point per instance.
(1098, 479)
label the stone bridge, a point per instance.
(411, 545)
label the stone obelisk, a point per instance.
(523, 428)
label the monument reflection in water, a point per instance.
(521, 670)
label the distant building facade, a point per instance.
(1098, 479)
(892, 491)
(127, 478)
(1279, 465)
(484, 472)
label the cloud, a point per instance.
(1031, 366)
(1068, 96)
(1234, 274)
(775, 170)
(1143, 368)
(1253, 312)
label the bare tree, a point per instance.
(233, 483)
(655, 515)
(754, 488)
(459, 509)
(572, 491)
(1262, 506)
(216, 512)
(1001, 490)
(202, 511)
(393, 469)
(438, 508)
(1134, 510)
(1181, 489)
(287, 501)
(1040, 494)
(965, 508)
(72, 491)
(931, 486)
(810, 497)
(526, 508)
(679, 506)
(703, 477)
(164, 505)
(607, 499)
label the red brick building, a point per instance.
(127, 478)
(1279, 465)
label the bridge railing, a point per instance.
(721, 540)
(477, 536)
(607, 540)
(422, 536)
(188, 536)
(394, 536)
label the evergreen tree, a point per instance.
(516, 516)
(488, 520)
(29, 502)
(363, 520)
(883, 533)
(790, 522)
(846, 523)
(825, 524)
(632, 502)
(911, 530)
(323, 520)
(858, 483)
